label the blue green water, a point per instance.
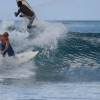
(77, 56)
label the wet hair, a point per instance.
(5, 34)
(19, 3)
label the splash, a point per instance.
(50, 36)
(46, 36)
(7, 25)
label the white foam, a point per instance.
(8, 69)
(7, 24)
(47, 37)
(51, 34)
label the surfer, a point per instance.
(5, 45)
(24, 11)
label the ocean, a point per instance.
(66, 68)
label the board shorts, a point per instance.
(0, 46)
(9, 50)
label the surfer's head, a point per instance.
(19, 3)
(5, 34)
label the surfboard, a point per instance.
(25, 56)
(25, 3)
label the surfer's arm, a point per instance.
(17, 13)
(6, 47)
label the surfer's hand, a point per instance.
(16, 14)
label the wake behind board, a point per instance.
(25, 56)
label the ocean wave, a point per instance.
(45, 35)
(63, 55)
(75, 59)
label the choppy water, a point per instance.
(51, 91)
(66, 68)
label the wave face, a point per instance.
(77, 56)
(69, 51)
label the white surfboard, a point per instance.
(25, 56)
(25, 3)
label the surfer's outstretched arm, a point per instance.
(18, 12)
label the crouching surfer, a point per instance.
(24, 11)
(5, 45)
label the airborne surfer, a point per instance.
(5, 46)
(24, 11)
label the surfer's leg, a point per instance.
(30, 22)
(0, 46)
(4, 53)
(2, 49)
(10, 51)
